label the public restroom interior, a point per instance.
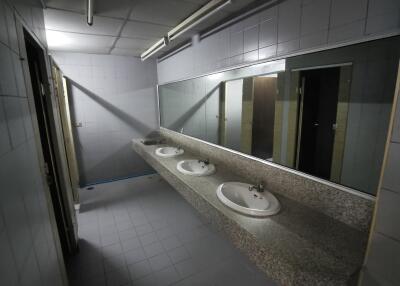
(199, 142)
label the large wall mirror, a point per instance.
(325, 113)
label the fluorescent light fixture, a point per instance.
(200, 15)
(89, 12)
(57, 39)
(154, 48)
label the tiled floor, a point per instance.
(142, 232)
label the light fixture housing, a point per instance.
(154, 48)
(89, 12)
(200, 15)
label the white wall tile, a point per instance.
(388, 216)
(345, 32)
(14, 119)
(3, 25)
(267, 52)
(396, 124)
(117, 95)
(288, 47)
(7, 79)
(268, 32)
(345, 12)
(383, 22)
(251, 39)
(384, 258)
(376, 7)
(315, 16)
(391, 178)
(8, 272)
(289, 20)
(236, 47)
(250, 56)
(314, 40)
(12, 32)
(5, 143)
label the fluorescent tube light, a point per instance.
(200, 15)
(154, 48)
(89, 12)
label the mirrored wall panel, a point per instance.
(325, 114)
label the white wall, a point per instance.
(28, 253)
(114, 97)
(291, 26)
(383, 258)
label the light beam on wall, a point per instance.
(57, 39)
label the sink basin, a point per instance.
(195, 168)
(168, 152)
(238, 197)
(152, 141)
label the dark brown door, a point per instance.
(40, 88)
(263, 116)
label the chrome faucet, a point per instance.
(205, 161)
(259, 188)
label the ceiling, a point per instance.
(124, 27)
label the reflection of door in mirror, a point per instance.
(233, 113)
(318, 148)
(265, 91)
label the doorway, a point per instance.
(317, 120)
(41, 91)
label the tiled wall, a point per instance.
(27, 245)
(114, 98)
(291, 26)
(383, 260)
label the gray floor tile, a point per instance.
(143, 229)
(178, 254)
(148, 238)
(130, 244)
(135, 255)
(127, 234)
(159, 262)
(171, 242)
(140, 269)
(153, 249)
(153, 237)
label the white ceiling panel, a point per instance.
(128, 27)
(165, 12)
(72, 42)
(72, 22)
(134, 43)
(114, 8)
(71, 5)
(126, 52)
(135, 29)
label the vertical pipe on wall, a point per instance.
(89, 12)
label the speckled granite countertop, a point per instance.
(298, 246)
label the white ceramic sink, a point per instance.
(245, 199)
(168, 152)
(195, 168)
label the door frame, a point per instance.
(20, 28)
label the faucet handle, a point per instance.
(260, 187)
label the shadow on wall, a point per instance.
(126, 117)
(181, 121)
(116, 164)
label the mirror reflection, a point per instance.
(325, 114)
